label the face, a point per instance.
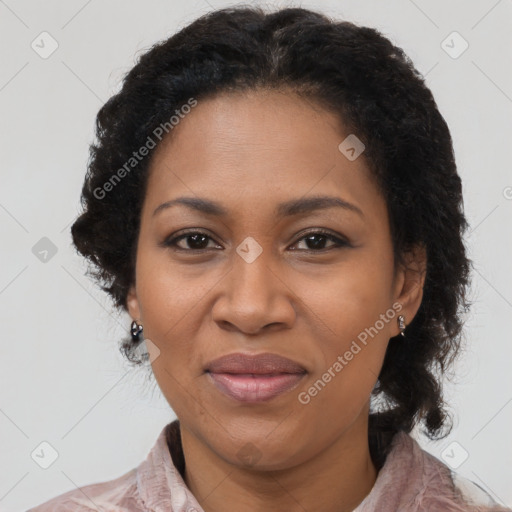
(316, 285)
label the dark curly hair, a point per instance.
(353, 71)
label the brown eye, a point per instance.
(316, 241)
(193, 241)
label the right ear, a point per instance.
(132, 303)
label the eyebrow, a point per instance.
(286, 209)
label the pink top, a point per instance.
(410, 480)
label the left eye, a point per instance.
(318, 238)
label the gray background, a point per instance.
(62, 379)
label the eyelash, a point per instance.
(339, 242)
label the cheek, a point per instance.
(168, 293)
(354, 312)
(172, 303)
(354, 295)
(167, 300)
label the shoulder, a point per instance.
(416, 480)
(473, 494)
(459, 491)
(120, 492)
(133, 491)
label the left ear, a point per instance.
(410, 280)
(132, 304)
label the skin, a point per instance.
(251, 151)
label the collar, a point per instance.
(159, 482)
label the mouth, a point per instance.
(254, 378)
(253, 388)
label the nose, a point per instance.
(253, 297)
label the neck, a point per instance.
(334, 480)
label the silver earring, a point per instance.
(135, 330)
(401, 324)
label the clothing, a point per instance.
(411, 480)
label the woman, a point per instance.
(273, 199)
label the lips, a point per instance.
(254, 378)
(259, 364)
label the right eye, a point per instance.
(195, 240)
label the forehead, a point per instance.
(235, 124)
(260, 148)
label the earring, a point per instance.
(401, 324)
(135, 330)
